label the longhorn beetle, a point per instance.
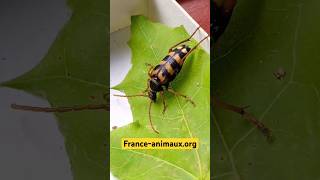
(164, 73)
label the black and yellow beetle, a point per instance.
(161, 75)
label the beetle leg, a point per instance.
(164, 102)
(150, 68)
(188, 39)
(179, 94)
(146, 90)
(142, 94)
(149, 65)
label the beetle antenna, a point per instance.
(151, 120)
(195, 47)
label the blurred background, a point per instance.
(31, 145)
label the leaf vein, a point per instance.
(157, 159)
(294, 59)
(190, 134)
(65, 78)
(234, 169)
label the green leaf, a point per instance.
(279, 34)
(149, 43)
(75, 69)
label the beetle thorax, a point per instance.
(184, 49)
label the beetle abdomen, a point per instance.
(178, 54)
(171, 65)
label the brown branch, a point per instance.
(60, 109)
(246, 115)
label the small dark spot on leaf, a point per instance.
(221, 158)
(59, 57)
(136, 124)
(250, 163)
(68, 74)
(280, 73)
(114, 127)
(92, 97)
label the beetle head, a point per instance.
(152, 95)
(155, 86)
